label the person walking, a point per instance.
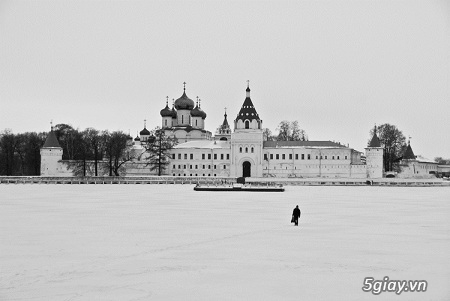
(296, 215)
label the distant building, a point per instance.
(413, 166)
(238, 152)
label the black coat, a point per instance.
(296, 213)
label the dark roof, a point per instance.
(184, 103)
(301, 143)
(198, 112)
(225, 124)
(51, 140)
(375, 142)
(409, 154)
(144, 132)
(166, 112)
(247, 111)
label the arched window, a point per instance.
(246, 149)
(247, 124)
(253, 150)
(259, 125)
(165, 122)
(182, 119)
(240, 149)
(195, 122)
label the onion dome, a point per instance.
(144, 132)
(375, 142)
(248, 111)
(166, 112)
(184, 102)
(197, 111)
(137, 138)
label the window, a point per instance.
(317, 157)
(247, 124)
(332, 157)
(283, 156)
(209, 156)
(338, 157)
(209, 166)
(196, 166)
(221, 156)
(190, 166)
(185, 156)
(277, 156)
(345, 157)
(326, 157)
(246, 149)
(191, 156)
(296, 156)
(240, 149)
(228, 156)
(265, 157)
(179, 166)
(203, 166)
(173, 156)
(309, 157)
(290, 156)
(165, 122)
(215, 156)
(182, 119)
(173, 167)
(215, 166)
(303, 156)
(321, 157)
(253, 150)
(203, 156)
(184, 166)
(179, 156)
(271, 156)
(224, 167)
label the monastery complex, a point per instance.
(240, 150)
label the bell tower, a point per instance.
(247, 141)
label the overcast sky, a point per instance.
(338, 67)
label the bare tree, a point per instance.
(290, 131)
(158, 148)
(267, 135)
(117, 151)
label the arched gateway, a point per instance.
(246, 169)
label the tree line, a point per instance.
(88, 152)
(91, 152)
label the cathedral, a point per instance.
(237, 152)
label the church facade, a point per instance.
(237, 152)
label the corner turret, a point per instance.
(51, 154)
(374, 157)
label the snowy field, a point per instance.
(168, 242)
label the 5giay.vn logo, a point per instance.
(377, 287)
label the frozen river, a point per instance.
(168, 242)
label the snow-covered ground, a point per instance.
(168, 242)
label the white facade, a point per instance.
(241, 152)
